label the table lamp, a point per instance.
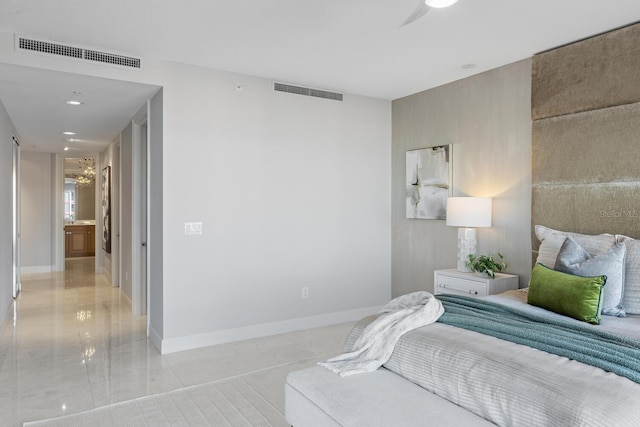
(466, 213)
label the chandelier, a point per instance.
(87, 177)
(83, 181)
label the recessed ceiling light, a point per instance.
(66, 148)
(69, 133)
(439, 3)
(74, 102)
(468, 66)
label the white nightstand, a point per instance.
(452, 281)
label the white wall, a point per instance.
(86, 202)
(36, 174)
(487, 118)
(6, 216)
(292, 191)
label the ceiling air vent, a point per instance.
(76, 52)
(298, 90)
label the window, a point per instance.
(69, 201)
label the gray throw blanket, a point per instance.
(376, 343)
(571, 339)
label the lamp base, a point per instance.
(466, 247)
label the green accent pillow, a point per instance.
(573, 296)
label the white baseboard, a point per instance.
(155, 338)
(107, 275)
(126, 297)
(172, 345)
(36, 269)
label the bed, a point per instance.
(585, 109)
(565, 351)
(444, 375)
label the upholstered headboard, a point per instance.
(585, 106)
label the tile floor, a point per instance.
(70, 343)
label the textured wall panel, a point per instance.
(587, 208)
(590, 147)
(595, 73)
(487, 119)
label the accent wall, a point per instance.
(487, 119)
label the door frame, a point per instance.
(16, 283)
(140, 214)
(58, 210)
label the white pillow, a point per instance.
(551, 240)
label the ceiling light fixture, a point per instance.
(68, 133)
(85, 175)
(74, 102)
(439, 3)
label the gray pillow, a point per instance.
(551, 240)
(574, 259)
(631, 299)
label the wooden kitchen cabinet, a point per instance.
(79, 240)
(91, 240)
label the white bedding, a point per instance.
(377, 341)
(515, 385)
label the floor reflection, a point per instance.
(68, 346)
(71, 344)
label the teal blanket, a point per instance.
(568, 338)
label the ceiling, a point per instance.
(355, 46)
(35, 100)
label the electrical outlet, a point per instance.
(305, 292)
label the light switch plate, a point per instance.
(191, 228)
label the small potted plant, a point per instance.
(486, 264)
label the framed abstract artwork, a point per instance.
(428, 182)
(106, 209)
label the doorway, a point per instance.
(103, 95)
(80, 206)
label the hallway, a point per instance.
(70, 344)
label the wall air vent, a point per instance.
(109, 58)
(52, 48)
(298, 90)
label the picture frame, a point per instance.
(428, 182)
(106, 209)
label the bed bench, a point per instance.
(316, 397)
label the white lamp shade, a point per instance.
(439, 3)
(469, 211)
